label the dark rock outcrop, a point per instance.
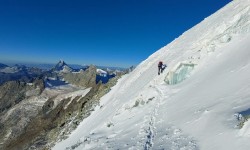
(52, 123)
(31, 121)
(85, 78)
(13, 92)
(61, 66)
(15, 113)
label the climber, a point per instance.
(160, 67)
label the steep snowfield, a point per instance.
(143, 112)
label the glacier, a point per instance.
(211, 63)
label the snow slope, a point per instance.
(143, 112)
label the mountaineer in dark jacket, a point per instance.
(160, 67)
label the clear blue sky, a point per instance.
(102, 32)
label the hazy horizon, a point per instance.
(52, 64)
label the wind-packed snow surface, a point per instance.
(144, 112)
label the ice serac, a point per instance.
(179, 73)
(143, 112)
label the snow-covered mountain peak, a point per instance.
(61, 62)
(199, 112)
(61, 66)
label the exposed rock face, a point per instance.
(61, 66)
(33, 118)
(13, 92)
(15, 112)
(85, 78)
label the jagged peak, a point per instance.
(61, 62)
(62, 66)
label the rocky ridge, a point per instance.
(34, 116)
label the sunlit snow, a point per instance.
(142, 111)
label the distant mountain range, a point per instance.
(27, 72)
(73, 66)
(2, 66)
(18, 72)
